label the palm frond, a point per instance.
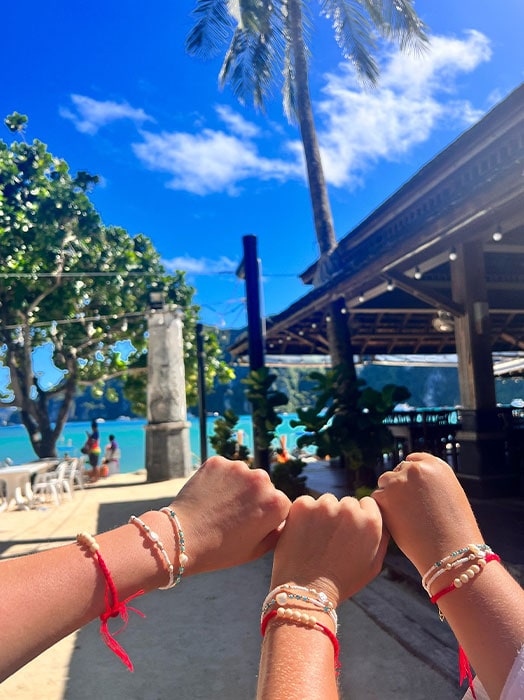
(355, 33)
(212, 28)
(398, 20)
(255, 52)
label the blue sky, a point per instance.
(108, 87)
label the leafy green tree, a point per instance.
(73, 292)
(268, 46)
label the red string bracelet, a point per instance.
(322, 628)
(454, 585)
(114, 606)
(464, 665)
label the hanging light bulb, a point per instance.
(453, 255)
(497, 235)
(361, 298)
(390, 286)
(418, 273)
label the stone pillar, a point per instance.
(168, 453)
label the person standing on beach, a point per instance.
(110, 462)
(93, 451)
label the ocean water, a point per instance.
(130, 435)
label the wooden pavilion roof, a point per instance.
(393, 269)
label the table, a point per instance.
(17, 479)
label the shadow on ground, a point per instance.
(199, 641)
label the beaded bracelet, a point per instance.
(280, 596)
(114, 606)
(155, 539)
(300, 618)
(475, 551)
(466, 576)
(182, 557)
(452, 565)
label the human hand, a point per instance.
(425, 509)
(332, 546)
(230, 514)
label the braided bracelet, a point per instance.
(114, 606)
(155, 539)
(300, 618)
(182, 557)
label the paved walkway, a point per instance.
(202, 640)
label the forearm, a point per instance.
(292, 653)
(493, 638)
(68, 588)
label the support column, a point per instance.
(168, 452)
(483, 466)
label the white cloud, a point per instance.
(89, 115)
(213, 160)
(201, 266)
(416, 95)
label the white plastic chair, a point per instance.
(54, 483)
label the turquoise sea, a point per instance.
(130, 435)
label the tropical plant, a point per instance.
(268, 45)
(349, 423)
(73, 292)
(225, 440)
(264, 400)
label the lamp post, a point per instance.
(168, 452)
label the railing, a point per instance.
(425, 431)
(435, 431)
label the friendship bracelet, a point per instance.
(279, 595)
(114, 606)
(155, 539)
(300, 618)
(182, 557)
(466, 576)
(281, 598)
(475, 549)
(449, 566)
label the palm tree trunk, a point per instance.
(339, 332)
(322, 216)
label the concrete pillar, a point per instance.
(168, 452)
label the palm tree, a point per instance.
(269, 45)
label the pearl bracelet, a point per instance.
(475, 551)
(155, 539)
(182, 557)
(281, 595)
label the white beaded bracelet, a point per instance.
(475, 551)
(281, 594)
(155, 539)
(182, 556)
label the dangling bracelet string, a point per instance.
(114, 606)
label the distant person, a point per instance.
(111, 460)
(93, 451)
